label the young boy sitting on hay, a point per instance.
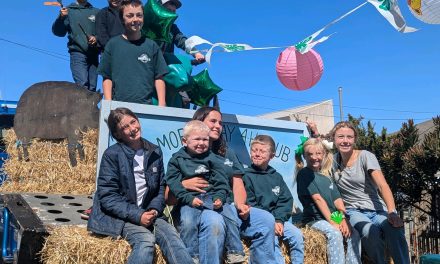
(267, 190)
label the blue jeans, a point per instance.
(294, 238)
(335, 244)
(375, 231)
(210, 227)
(84, 69)
(142, 241)
(170, 243)
(233, 243)
(260, 229)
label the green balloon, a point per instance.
(203, 89)
(157, 22)
(178, 77)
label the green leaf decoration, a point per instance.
(179, 72)
(203, 89)
(337, 217)
(300, 148)
(157, 22)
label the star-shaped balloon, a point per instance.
(179, 72)
(203, 89)
(300, 149)
(157, 22)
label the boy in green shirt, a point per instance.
(195, 159)
(132, 66)
(267, 190)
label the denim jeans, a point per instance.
(335, 244)
(141, 241)
(170, 243)
(210, 227)
(233, 243)
(260, 229)
(294, 238)
(375, 232)
(84, 69)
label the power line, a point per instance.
(345, 106)
(64, 57)
(46, 52)
(332, 116)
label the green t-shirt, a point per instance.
(133, 66)
(309, 183)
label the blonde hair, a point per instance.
(194, 125)
(264, 140)
(327, 161)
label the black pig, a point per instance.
(56, 110)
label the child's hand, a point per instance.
(217, 204)
(243, 211)
(197, 202)
(64, 12)
(147, 218)
(198, 58)
(345, 229)
(279, 228)
(91, 40)
(335, 226)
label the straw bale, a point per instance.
(48, 169)
(75, 245)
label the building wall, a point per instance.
(321, 113)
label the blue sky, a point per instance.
(386, 76)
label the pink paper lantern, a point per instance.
(298, 71)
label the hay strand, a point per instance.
(49, 170)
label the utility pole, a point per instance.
(341, 114)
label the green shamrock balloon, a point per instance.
(203, 89)
(337, 217)
(157, 22)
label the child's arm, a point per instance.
(240, 196)
(323, 208)
(179, 40)
(284, 206)
(250, 192)
(173, 179)
(344, 227)
(218, 180)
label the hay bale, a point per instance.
(49, 170)
(75, 245)
(315, 246)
